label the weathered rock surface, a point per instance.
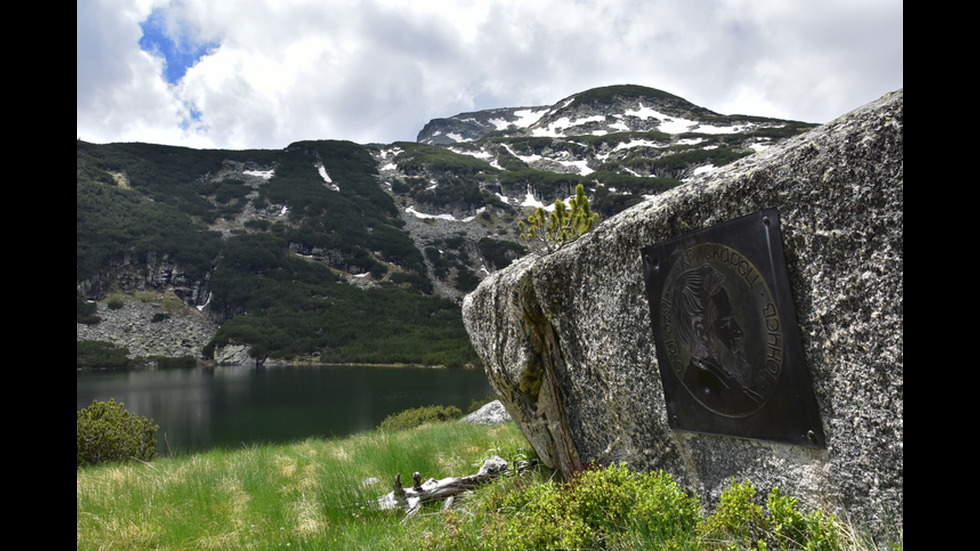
(138, 326)
(149, 273)
(492, 413)
(568, 345)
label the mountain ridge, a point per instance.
(250, 237)
(618, 108)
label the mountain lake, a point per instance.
(199, 409)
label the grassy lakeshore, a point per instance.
(313, 494)
(320, 494)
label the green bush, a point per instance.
(100, 354)
(499, 253)
(107, 432)
(115, 303)
(466, 280)
(181, 362)
(477, 404)
(415, 417)
(737, 520)
(740, 523)
(614, 508)
(609, 508)
(85, 311)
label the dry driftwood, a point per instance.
(412, 498)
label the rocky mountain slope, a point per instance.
(361, 238)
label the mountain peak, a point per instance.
(621, 92)
(597, 111)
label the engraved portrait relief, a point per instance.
(720, 332)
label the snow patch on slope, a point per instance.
(451, 218)
(264, 174)
(326, 177)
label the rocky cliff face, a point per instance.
(151, 273)
(567, 340)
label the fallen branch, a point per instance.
(411, 499)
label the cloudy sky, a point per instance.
(242, 74)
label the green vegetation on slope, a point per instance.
(604, 94)
(416, 158)
(138, 202)
(114, 225)
(100, 355)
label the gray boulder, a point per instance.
(567, 342)
(492, 413)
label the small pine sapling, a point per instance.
(544, 232)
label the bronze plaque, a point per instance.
(725, 328)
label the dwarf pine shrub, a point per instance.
(546, 232)
(107, 432)
(411, 418)
(739, 522)
(597, 509)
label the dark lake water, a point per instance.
(198, 409)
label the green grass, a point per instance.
(307, 495)
(315, 494)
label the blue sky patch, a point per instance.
(171, 43)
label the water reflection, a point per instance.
(231, 406)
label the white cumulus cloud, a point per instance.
(278, 71)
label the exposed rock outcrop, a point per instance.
(568, 345)
(148, 273)
(492, 413)
(146, 329)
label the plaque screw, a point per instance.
(811, 436)
(651, 262)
